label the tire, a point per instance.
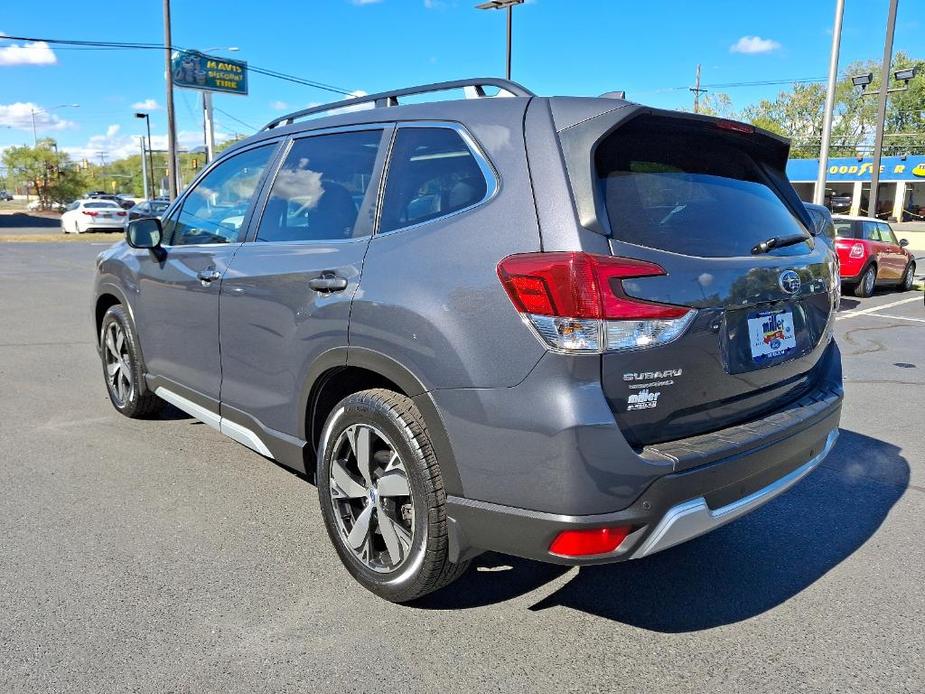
(867, 282)
(416, 561)
(123, 369)
(908, 277)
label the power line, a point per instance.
(235, 118)
(121, 45)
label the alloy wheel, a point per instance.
(869, 282)
(118, 364)
(371, 497)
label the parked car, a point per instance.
(5, 196)
(823, 226)
(627, 344)
(92, 214)
(870, 256)
(838, 202)
(147, 208)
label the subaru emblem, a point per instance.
(789, 281)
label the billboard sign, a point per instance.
(195, 70)
(908, 168)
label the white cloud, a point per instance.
(279, 105)
(359, 107)
(114, 145)
(20, 115)
(754, 44)
(28, 53)
(146, 105)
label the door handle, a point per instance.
(328, 282)
(208, 275)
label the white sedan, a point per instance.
(85, 215)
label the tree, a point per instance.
(47, 171)
(798, 114)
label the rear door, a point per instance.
(285, 299)
(698, 197)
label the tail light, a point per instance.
(90, 213)
(121, 213)
(575, 302)
(583, 543)
(857, 251)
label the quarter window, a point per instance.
(214, 211)
(320, 188)
(432, 173)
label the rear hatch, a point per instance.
(698, 197)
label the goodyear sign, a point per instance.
(912, 168)
(195, 70)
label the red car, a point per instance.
(870, 255)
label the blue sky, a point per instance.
(581, 47)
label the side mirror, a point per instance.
(146, 232)
(903, 242)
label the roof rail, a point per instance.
(386, 99)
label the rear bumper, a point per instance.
(765, 459)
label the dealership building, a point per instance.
(901, 192)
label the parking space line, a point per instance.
(885, 315)
(864, 311)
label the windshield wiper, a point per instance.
(779, 242)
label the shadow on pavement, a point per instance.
(737, 572)
(24, 220)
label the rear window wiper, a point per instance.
(779, 242)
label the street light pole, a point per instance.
(147, 118)
(819, 191)
(881, 108)
(144, 168)
(503, 5)
(35, 139)
(171, 124)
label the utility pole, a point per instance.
(208, 125)
(881, 108)
(144, 167)
(171, 124)
(697, 91)
(819, 190)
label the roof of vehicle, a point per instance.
(856, 218)
(97, 201)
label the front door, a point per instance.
(177, 304)
(286, 297)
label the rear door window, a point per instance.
(320, 188)
(432, 173)
(871, 232)
(689, 191)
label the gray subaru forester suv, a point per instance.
(577, 330)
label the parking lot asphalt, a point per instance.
(161, 556)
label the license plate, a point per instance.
(105, 215)
(771, 335)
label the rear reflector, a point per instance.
(576, 303)
(583, 543)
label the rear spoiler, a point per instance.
(579, 144)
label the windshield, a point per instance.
(690, 191)
(101, 204)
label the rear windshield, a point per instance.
(689, 191)
(846, 229)
(105, 204)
